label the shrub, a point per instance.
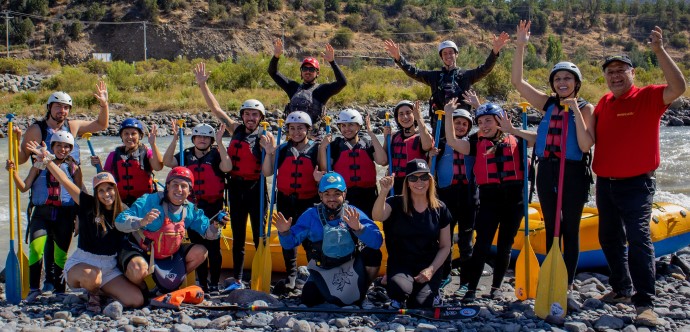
(343, 38)
(23, 31)
(407, 26)
(97, 67)
(75, 30)
(292, 21)
(353, 6)
(250, 11)
(122, 75)
(374, 21)
(94, 12)
(679, 40)
(332, 17)
(275, 5)
(332, 5)
(300, 33)
(13, 66)
(353, 21)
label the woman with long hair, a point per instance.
(93, 265)
(417, 228)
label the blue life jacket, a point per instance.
(46, 190)
(452, 167)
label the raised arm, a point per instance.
(323, 151)
(201, 77)
(156, 159)
(268, 143)
(101, 123)
(674, 77)
(382, 210)
(380, 155)
(507, 127)
(169, 156)
(459, 145)
(533, 96)
(424, 134)
(422, 76)
(340, 80)
(280, 79)
(225, 161)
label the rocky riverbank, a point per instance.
(586, 313)
(17, 83)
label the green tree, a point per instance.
(554, 49)
(343, 38)
(23, 31)
(332, 5)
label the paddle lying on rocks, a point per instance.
(527, 265)
(390, 153)
(261, 265)
(552, 291)
(437, 135)
(437, 313)
(21, 255)
(93, 153)
(13, 286)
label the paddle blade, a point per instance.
(24, 273)
(266, 270)
(552, 290)
(444, 313)
(258, 267)
(13, 290)
(526, 272)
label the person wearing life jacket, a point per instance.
(353, 157)
(408, 142)
(93, 265)
(156, 225)
(297, 188)
(244, 183)
(209, 163)
(456, 189)
(346, 244)
(53, 214)
(418, 241)
(565, 81)
(309, 96)
(132, 164)
(58, 108)
(498, 172)
(450, 81)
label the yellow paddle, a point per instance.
(261, 264)
(13, 286)
(23, 260)
(527, 265)
(552, 291)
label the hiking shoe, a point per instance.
(282, 287)
(234, 286)
(469, 297)
(647, 317)
(461, 291)
(33, 295)
(496, 294)
(94, 303)
(378, 296)
(444, 283)
(395, 305)
(613, 298)
(48, 287)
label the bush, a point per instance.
(353, 6)
(250, 11)
(300, 33)
(13, 66)
(332, 5)
(275, 5)
(679, 40)
(75, 30)
(97, 67)
(374, 21)
(216, 10)
(122, 75)
(332, 17)
(23, 31)
(292, 21)
(353, 21)
(406, 28)
(95, 12)
(343, 38)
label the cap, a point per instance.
(416, 166)
(621, 57)
(103, 177)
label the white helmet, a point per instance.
(253, 104)
(203, 129)
(463, 113)
(59, 97)
(447, 44)
(298, 117)
(350, 115)
(62, 136)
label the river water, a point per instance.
(673, 177)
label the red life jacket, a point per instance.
(459, 171)
(404, 150)
(56, 196)
(502, 165)
(132, 172)
(354, 163)
(166, 241)
(553, 135)
(245, 153)
(209, 180)
(295, 171)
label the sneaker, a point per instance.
(48, 287)
(395, 305)
(94, 303)
(613, 297)
(496, 294)
(444, 283)
(461, 291)
(647, 317)
(213, 289)
(234, 286)
(469, 297)
(33, 295)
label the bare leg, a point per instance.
(124, 291)
(195, 256)
(85, 276)
(137, 270)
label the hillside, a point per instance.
(224, 29)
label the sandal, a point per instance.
(94, 303)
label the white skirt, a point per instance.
(107, 264)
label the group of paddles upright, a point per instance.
(327, 194)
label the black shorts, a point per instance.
(130, 250)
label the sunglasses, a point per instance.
(414, 178)
(309, 69)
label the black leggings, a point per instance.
(215, 259)
(363, 198)
(50, 228)
(575, 195)
(292, 207)
(244, 202)
(500, 207)
(402, 287)
(460, 202)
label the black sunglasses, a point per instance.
(414, 178)
(309, 69)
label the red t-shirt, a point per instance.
(627, 132)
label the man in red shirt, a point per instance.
(626, 155)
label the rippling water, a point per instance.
(673, 177)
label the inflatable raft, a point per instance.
(670, 229)
(669, 225)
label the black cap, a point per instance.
(621, 57)
(416, 166)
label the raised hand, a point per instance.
(200, 73)
(268, 143)
(39, 150)
(282, 224)
(523, 33)
(451, 105)
(149, 217)
(277, 48)
(504, 124)
(500, 41)
(386, 183)
(329, 54)
(392, 49)
(152, 134)
(101, 93)
(220, 132)
(656, 39)
(470, 97)
(417, 111)
(367, 121)
(351, 217)
(318, 174)
(176, 131)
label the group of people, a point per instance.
(328, 191)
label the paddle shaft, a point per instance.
(437, 135)
(438, 313)
(275, 175)
(561, 174)
(12, 273)
(328, 148)
(181, 136)
(262, 183)
(23, 260)
(525, 162)
(93, 153)
(390, 153)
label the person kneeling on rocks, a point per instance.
(345, 246)
(157, 224)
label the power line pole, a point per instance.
(7, 31)
(145, 49)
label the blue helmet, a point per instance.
(131, 123)
(332, 180)
(488, 109)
